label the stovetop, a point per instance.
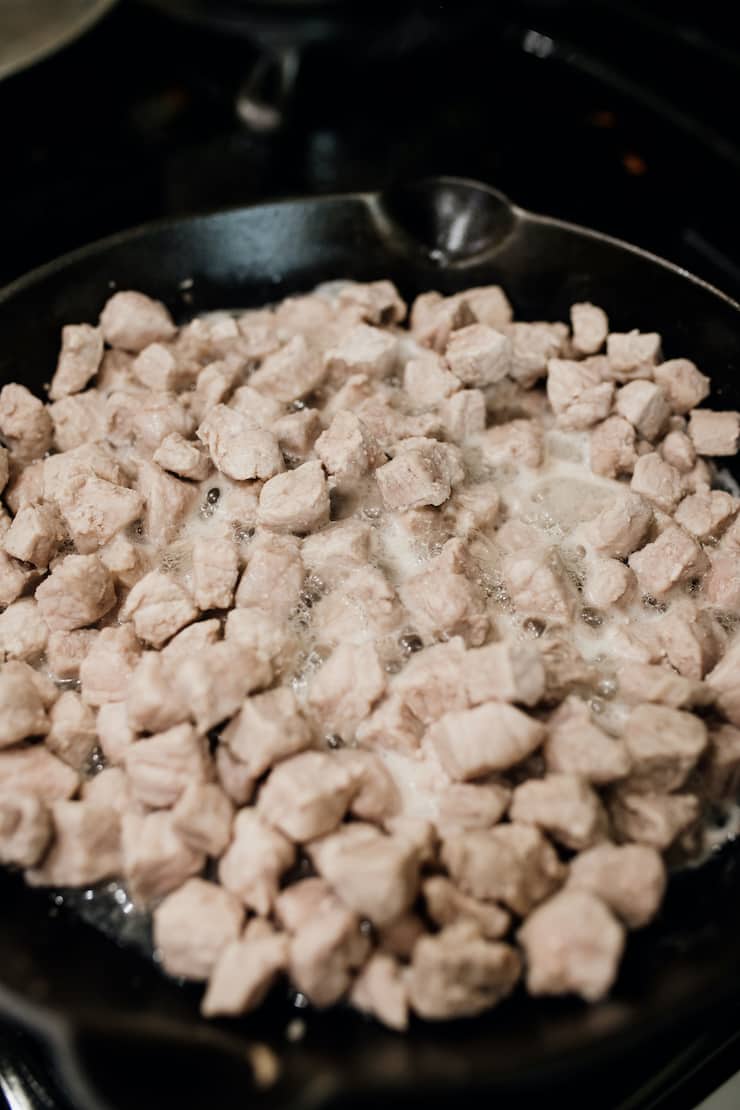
(608, 114)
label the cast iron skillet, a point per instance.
(113, 1023)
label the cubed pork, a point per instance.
(239, 448)
(578, 396)
(252, 865)
(268, 728)
(159, 607)
(534, 344)
(378, 302)
(79, 359)
(215, 571)
(713, 433)
(478, 355)
(619, 529)
(346, 687)
(25, 424)
(678, 450)
(363, 607)
(380, 990)
(155, 859)
(724, 680)
(347, 450)
(705, 513)
(518, 441)
(459, 974)
(575, 745)
(564, 806)
(443, 601)
(289, 373)
(463, 414)
(193, 926)
(72, 734)
(590, 327)
(363, 350)
(537, 584)
(35, 535)
(132, 321)
(23, 630)
(434, 318)
(573, 945)
(612, 447)
(115, 734)
(86, 846)
(273, 577)
(203, 817)
(608, 582)
(427, 381)
(673, 557)
(629, 878)
(491, 737)
(94, 510)
(106, 669)
(22, 710)
(167, 502)
(446, 905)
(633, 354)
(417, 476)
(644, 682)
(306, 795)
(244, 973)
(182, 457)
(685, 386)
(646, 407)
(34, 770)
(66, 650)
(504, 672)
(25, 829)
(161, 766)
(337, 550)
(297, 501)
(653, 819)
(78, 419)
(720, 772)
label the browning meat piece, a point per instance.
(612, 447)
(577, 394)
(273, 577)
(77, 592)
(106, 669)
(215, 571)
(564, 806)
(513, 864)
(203, 817)
(72, 734)
(446, 905)
(269, 727)
(665, 745)
(243, 974)
(35, 535)
(491, 737)
(577, 746)
(458, 974)
(22, 710)
(193, 926)
(658, 481)
(479, 355)
(161, 766)
(346, 687)
(652, 819)
(629, 878)
(632, 354)
(673, 557)
(573, 945)
(307, 795)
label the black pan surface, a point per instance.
(111, 1020)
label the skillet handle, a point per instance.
(448, 220)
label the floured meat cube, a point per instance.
(25, 829)
(478, 355)
(703, 514)
(443, 601)
(658, 481)
(203, 817)
(72, 733)
(715, 433)
(159, 607)
(106, 669)
(22, 710)
(590, 327)
(193, 925)
(678, 450)
(573, 945)
(684, 385)
(577, 746)
(337, 550)
(182, 457)
(518, 441)
(215, 571)
(578, 396)
(307, 795)
(167, 502)
(347, 450)
(645, 405)
(619, 529)
(290, 373)
(238, 448)
(564, 806)
(492, 737)
(645, 682)
(363, 350)
(273, 576)
(78, 419)
(533, 345)
(427, 381)
(244, 972)
(79, 359)
(132, 321)
(155, 859)
(458, 974)
(78, 592)
(434, 318)
(66, 650)
(378, 302)
(418, 475)
(94, 510)
(346, 687)
(629, 878)
(269, 727)
(380, 990)
(256, 858)
(632, 354)
(362, 607)
(612, 447)
(25, 425)
(673, 557)
(446, 905)
(463, 414)
(513, 864)
(161, 766)
(297, 501)
(86, 846)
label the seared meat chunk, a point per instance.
(632, 354)
(612, 447)
(685, 386)
(673, 557)
(155, 859)
(478, 355)
(578, 396)
(183, 458)
(273, 577)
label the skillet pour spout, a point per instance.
(108, 1016)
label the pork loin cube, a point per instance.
(380, 990)
(705, 513)
(714, 433)
(203, 816)
(678, 450)
(376, 875)
(722, 581)
(466, 805)
(214, 384)
(578, 396)
(325, 948)
(132, 321)
(297, 432)
(658, 481)
(536, 583)
(78, 592)
(612, 447)
(214, 683)
(156, 368)
(244, 973)
(427, 381)
(274, 575)
(26, 484)
(489, 304)
(392, 725)
(115, 734)
(34, 770)
(685, 386)
(290, 373)
(577, 746)
(619, 529)
(94, 510)
(337, 550)
(153, 702)
(193, 926)
(233, 775)
(573, 945)
(35, 534)
(720, 773)
(363, 350)
(4, 468)
(90, 459)
(630, 879)
(644, 404)
(463, 414)
(673, 557)
(159, 607)
(167, 502)
(161, 766)
(434, 318)
(401, 935)
(415, 832)
(215, 571)
(689, 640)
(475, 508)
(25, 829)
(46, 688)
(724, 680)
(297, 501)
(347, 450)
(307, 795)
(443, 602)
(72, 735)
(644, 682)
(182, 457)
(13, 579)
(479, 355)
(491, 737)
(269, 727)
(271, 641)
(533, 345)
(66, 650)
(653, 819)
(376, 796)
(346, 687)
(590, 327)
(193, 640)
(23, 630)
(86, 847)
(255, 860)
(446, 905)
(155, 859)
(262, 409)
(237, 447)
(432, 681)
(22, 710)
(106, 669)
(79, 359)
(458, 974)
(378, 302)
(513, 864)
(416, 476)
(632, 354)
(562, 805)
(363, 607)
(504, 672)
(518, 441)
(608, 582)
(25, 424)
